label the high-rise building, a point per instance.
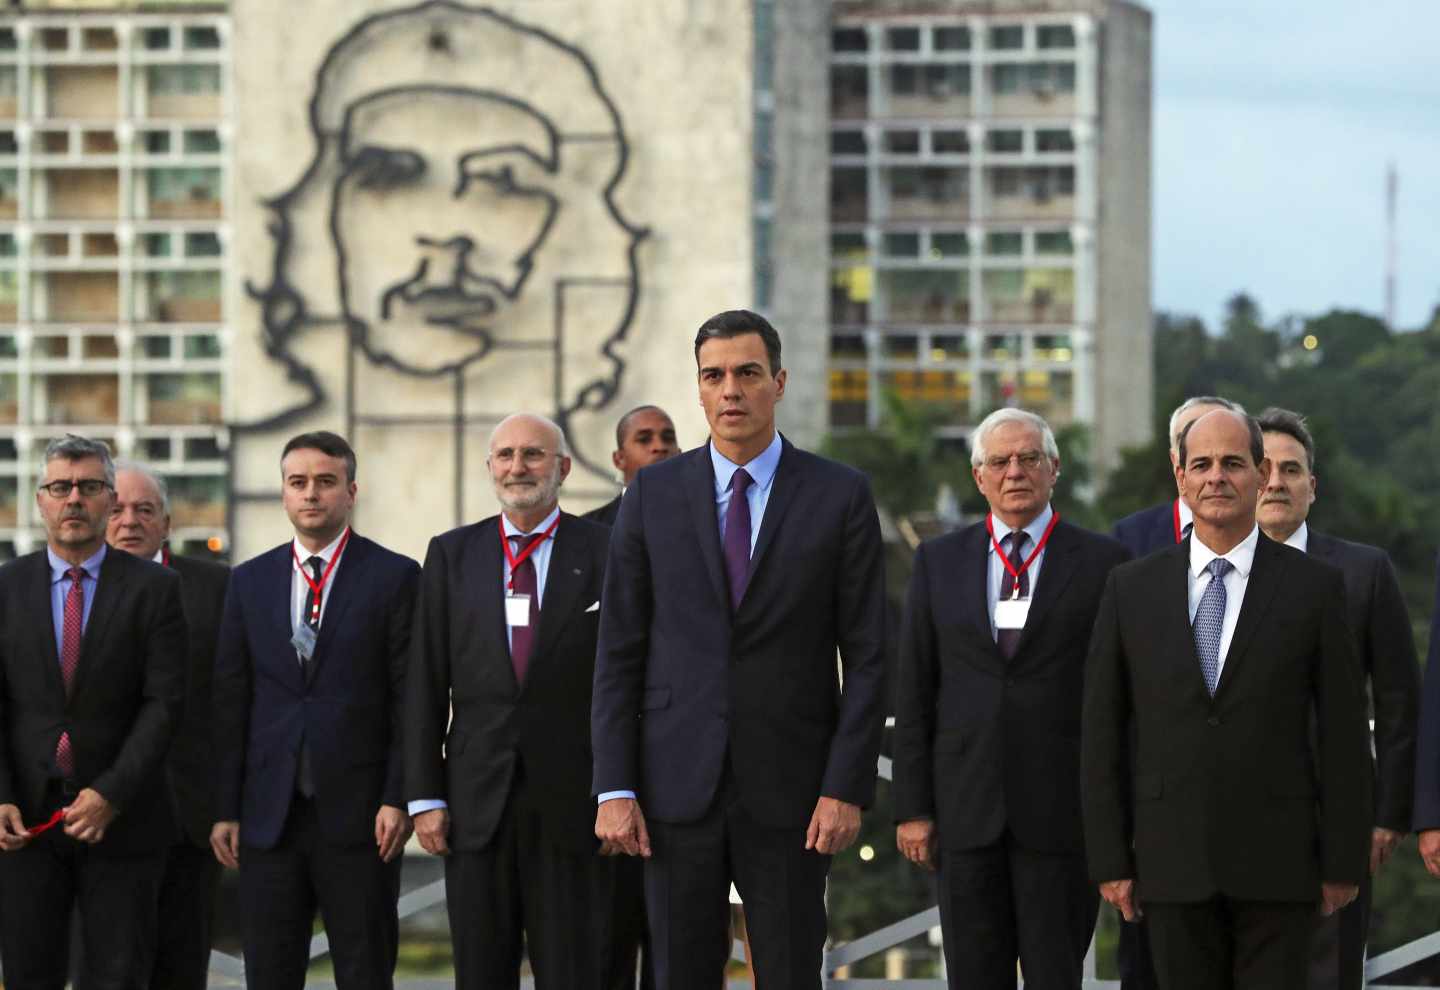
(113, 176)
(990, 212)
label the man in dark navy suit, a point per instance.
(645, 435)
(727, 745)
(309, 692)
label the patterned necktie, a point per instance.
(523, 582)
(1009, 639)
(71, 630)
(737, 537)
(1210, 620)
(305, 774)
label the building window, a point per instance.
(1004, 243)
(945, 81)
(949, 347)
(202, 38)
(202, 142)
(850, 291)
(950, 142)
(849, 397)
(1007, 37)
(848, 194)
(1054, 139)
(1053, 242)
(902, 39)
(179, 297)
(848, 245)
(202, 244)
(848, 347)
(946, 246)
(187, 80)
(1055, 36)
(902, 142)
(951, 39)
(1053, 348)
(904, 80)
(847, 143)
(1005, 141)
(849, 39)
(902, 245)
(849, 91)
(927, 295)
(155, 39)
(902, 346)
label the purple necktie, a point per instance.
(523, 582)
(737, 537)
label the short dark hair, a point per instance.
(622, 428)
(1292, 424)
(330, 444)
(1257, 439)
(734, 323)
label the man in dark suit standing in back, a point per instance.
(140, 524)
(308, 712)
(1203, 802)
(987, 725)
(645, 435)
(91, 680)
(1385, 649)
(727, 745)
(505, 639)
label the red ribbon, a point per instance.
(318, 588)
(46, 826)
(1179, 533)
(515, 561)
(1005, 559)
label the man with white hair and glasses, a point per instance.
(987, 749)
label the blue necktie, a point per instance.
(1210, 620)
(737, 537)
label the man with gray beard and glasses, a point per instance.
(505, 637)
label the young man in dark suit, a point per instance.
(1205, 804)
(91, 680)
(645, 435)
(987, 725)
(1385, 649)
(726, 747)
(308, 712)
(505, 639)
(140, 524)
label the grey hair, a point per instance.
(76, 448)
(1191, 403)
(564, 450)
(999, 418)
(150, 475)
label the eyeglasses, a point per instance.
(89, 487)
(531, 456)
(1029, 461)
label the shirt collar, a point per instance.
(1300, 539)
(761, 467)
(1187, 517)
(159, 557)
(60, 567)
(1242, 555)
(1035, 530)
(328, 554)
(512, 530)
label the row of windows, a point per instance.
(859, 294)
(95, 297)
(104, 346)
(914, 88)
(103, 244)
(103, 141)
(937, 192)
(1049, 393)
(941, 141)
(939, 348)
(86, 91)
(100, 38)
(938, 246)
(951, 38)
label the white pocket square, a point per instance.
(594, 608)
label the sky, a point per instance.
(1274, 121)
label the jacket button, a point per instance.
(1213, 720)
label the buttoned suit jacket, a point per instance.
(124, 703)
(1223, 795)
(983, 744)
(191, 766)
(461, 661)
(683, 686)
(1148, 530)
(349, 712)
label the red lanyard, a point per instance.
(165, 556)
(1004, 559)
(47, 825)
(319, 586)
(515, 561)
(1179, 534)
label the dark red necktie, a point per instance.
(71, 631)
(522, 582)
(1009, 639)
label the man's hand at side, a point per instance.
(88, 816)
(12, 829)
(1121, 896)
(833, 827)
(916, 840)
(1334, 896)
(433, 828)
(392, 829)
(225, 843)
(620, 827)
(1382, 844)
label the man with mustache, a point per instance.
(1206, 806)
(1385, 649)
(92, 645)
(504, 656)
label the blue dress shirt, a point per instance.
(60, 587)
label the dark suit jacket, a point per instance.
(607, 513)
(461, 659)
(349, 713)
(1223, 797)
(982, 744)
(1385, 649)
(1148, 530)
(679, 683)
(125, 701)
(1427, 757)
(192, 759)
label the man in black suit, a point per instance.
(1143, 533)
(308, 713)
(1385, 648)
(1203, 801)
(91, 681)
(736, 572)
(987, 724)
(140, 524)
(645, 435)
(505, 639)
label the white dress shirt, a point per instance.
(1187, 518)
(1242, 558)
(299, 587)
(1300, 539)
(995, 574)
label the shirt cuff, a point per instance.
(612, 795)
(424, 805)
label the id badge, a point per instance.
(304, 640)
(1010, 613)
(517, 610)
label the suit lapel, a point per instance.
(1055, 572)
(700, 492)
(342, 589)
(788, 480)
(279, 573)
(482, 564)
(971, 565)
(564, 579)
(1173, 606)
(1265, 577)
(38, 593)
(107, 594)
